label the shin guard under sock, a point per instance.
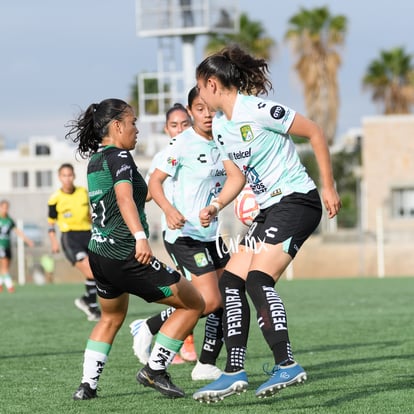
(90, 295)
(155, 322)
(213, 338)
(271, 314)
(236, 320)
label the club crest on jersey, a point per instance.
(200, 259)
(172, 161)
(246, 133)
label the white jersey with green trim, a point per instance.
(167, 185)
(198, 175)
(257, 141)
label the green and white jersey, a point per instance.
(256, 140)
(7, 224)
(110, 235)
(198, 175)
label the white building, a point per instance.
(28, 176)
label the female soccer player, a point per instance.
(7, 225)
(253, 135)
(177, 120)
(192, 161)
(120, 256)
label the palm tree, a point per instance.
(391, 79)
(315, 35)
(251, 37)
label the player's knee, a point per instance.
(194, 298)
(230, 281)
(257, 280)
(212, 304)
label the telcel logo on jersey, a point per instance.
(217, 172)
(239, 155)
(246, 133)
(172, 161)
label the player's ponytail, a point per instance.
(233, 67)
(92, 125)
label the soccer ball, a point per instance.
(245, 206)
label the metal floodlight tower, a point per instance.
(167, 20)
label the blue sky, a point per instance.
(59, 56)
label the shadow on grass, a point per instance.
(369, 391)
(341, 347)
(42, 354)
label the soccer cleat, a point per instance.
(177, 360)
(227, 384)
(84, 392)
(160, 381)
(11, 289)
(83, 305)
(281, 377)
(188, 352)
(205, 372)
(95, 314)
(142, 338)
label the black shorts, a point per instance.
(5, 253)
(114, 277)
(196, 257)
(75, 245)
(291, 222)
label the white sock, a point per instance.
(160, 357)
(163, 352)
(93, 365)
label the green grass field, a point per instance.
(355, 338)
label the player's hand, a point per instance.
(55, 248)
(143, 252)
(175, 220)
(207, 214)
(331, 201)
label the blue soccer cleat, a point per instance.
(227, 384)
(281, 377)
